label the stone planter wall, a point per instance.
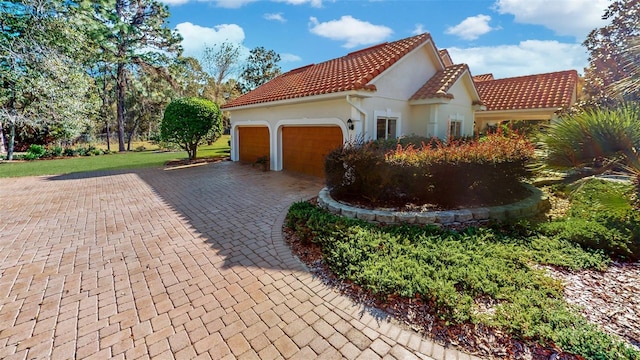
(531, 206)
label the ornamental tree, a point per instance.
(188, 121)
(613, 54)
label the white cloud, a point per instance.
(528, 57)
(229, 4)
(472, 27)
(286, 57)
(233, 4)
(353, 31)
(419, 29)
(314, 3)
(195, 36)
(275, 17)
(175, 2)
(565, 17)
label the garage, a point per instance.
(304, 148)
(253, 142)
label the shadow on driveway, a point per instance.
(233, 206)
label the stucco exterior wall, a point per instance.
(406, 76)
(459, 108)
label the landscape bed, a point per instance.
(485, 290)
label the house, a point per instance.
(381, 92)
(533, 98)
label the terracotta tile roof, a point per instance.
(445, 57)
(550, 90)
(440, 83)
(483, 77)
(351, 72)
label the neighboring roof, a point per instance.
(550, 90)
(483, 77)
(440, 83)
(445, 57)
(351, 72)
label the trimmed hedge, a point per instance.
(483, 171)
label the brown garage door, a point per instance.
(253, 143)
(304, 148)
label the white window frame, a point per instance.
(386, 115)
(455, 121)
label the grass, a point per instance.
(130, 160)
(451, 271)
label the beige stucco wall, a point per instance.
(433, 120)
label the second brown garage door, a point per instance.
(304, 148)
(253, 142)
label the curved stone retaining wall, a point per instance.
(533, 205)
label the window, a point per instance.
(386, 128)
(455, 128)
(455, 125)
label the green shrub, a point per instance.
(482, 171)
(189, 121)
(601, 216)
(70, 152)
(35, 152)
(450, 270)
(54, 151)
(619, 237)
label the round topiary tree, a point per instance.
(187, 121)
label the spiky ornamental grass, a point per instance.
(595, 135)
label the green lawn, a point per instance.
(129, 160)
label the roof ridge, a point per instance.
(366, 49)
(534, 75)
(301, 68)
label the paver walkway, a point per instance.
(178, 264)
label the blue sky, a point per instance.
(503, 37)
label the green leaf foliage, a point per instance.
(600, 217)
(188, 121)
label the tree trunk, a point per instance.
(3, 149)
(12, 139)
(105, 107)
(192, 151)
(106, 123)
(131, 133)
(12, 127)
(120, 89)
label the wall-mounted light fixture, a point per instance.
(350, 124)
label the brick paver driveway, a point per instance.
(185, 264)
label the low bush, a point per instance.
(70, 152)
(484, 171)
(601, 216)
(35, 152)
(54, 151)
(452, 271)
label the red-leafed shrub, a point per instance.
(483, 171)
